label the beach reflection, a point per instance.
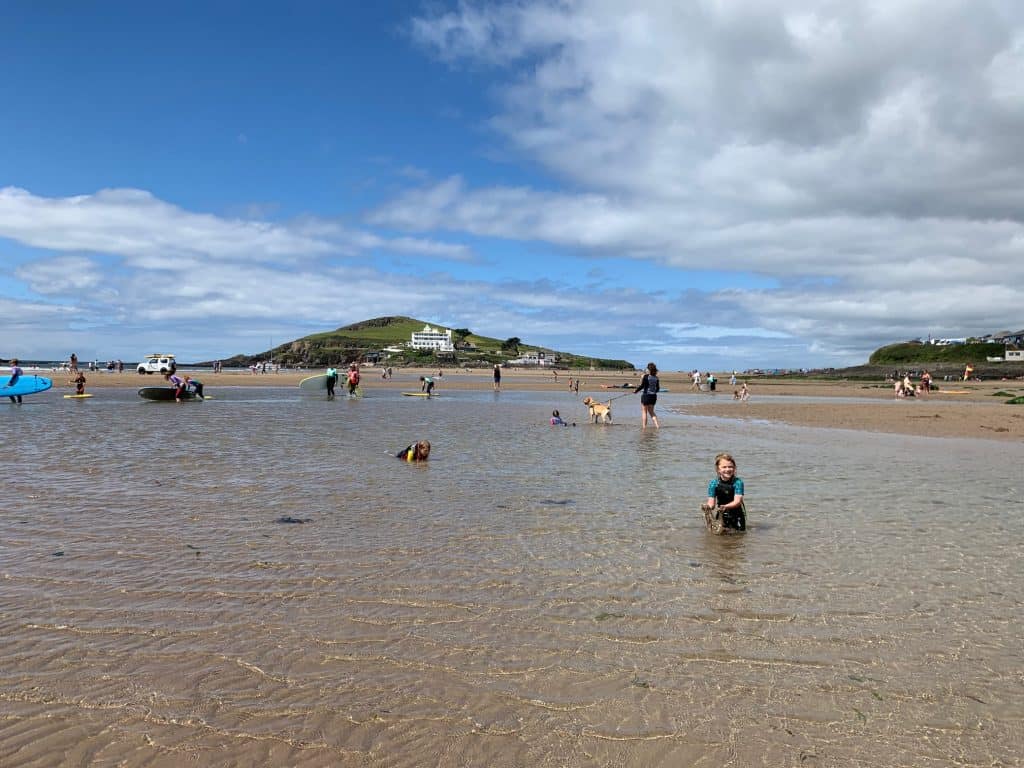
(256, 580)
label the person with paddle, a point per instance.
(79, 382)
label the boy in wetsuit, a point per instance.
(195, 386)
(725, 495)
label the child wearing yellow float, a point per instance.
(419, 451)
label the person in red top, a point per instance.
(353, 379)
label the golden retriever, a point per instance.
(598, 411)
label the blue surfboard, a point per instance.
(26, 385)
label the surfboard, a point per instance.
(26, 385)
(163, 393)
(76, 397)
(316, 383)
(951, 391)
(418, 394)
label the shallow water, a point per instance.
(533, 595)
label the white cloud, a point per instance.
(150, 233)
(849, 151)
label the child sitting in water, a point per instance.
(725, 496)
(419, 451)
(556, 420)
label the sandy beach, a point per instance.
(257, 580)
(957, 409)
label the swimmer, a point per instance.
(418, 451)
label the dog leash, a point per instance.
(624, 394)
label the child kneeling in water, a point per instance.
(419, 451)
(725, 496)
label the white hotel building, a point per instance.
(432, 338)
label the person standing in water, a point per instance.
(178, 383)
(725, 496)
(195, 386)
(16, 373)
(79, 382)
(332, 380)
(497, 377)
(649, 386)
(353, 380)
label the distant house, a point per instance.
(432, 338)
(540, 359)
(1009, 338)
(1015, 355)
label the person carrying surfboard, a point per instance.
(332, 379)
(353, 379)
(16, 373)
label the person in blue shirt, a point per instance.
(724, 506)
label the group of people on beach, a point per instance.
(904, 387)
(352, 379)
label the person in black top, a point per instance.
(649, 386)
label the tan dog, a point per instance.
(598, 411)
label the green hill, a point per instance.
(918, 352)
(366, 340)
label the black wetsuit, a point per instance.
(724, 493)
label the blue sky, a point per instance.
(712, 185)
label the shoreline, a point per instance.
(957, 409)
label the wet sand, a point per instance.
(957, 409)
(531, 596)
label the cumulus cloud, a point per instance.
(846, 150)
(150, 233)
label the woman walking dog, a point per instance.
(649, 386)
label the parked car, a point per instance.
(158, 364)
